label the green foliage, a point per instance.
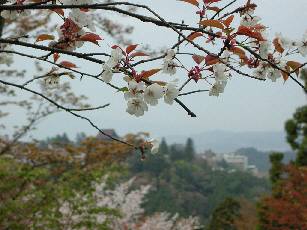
(224, 216)
(32, 195)
(277, 167)
(297, 135)
(187, 185)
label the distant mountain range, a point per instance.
(226, 141)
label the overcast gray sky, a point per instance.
(246, 105)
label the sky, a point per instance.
(246, 104)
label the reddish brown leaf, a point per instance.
(138, 54)
(90, 37)
(193, 2)
(44, 37)
(243, 30)
(213, 8)
(68, 64)
(149, 73)
(228, 20)
(212, 23)
(58, 11)
(295, 66)
(198, 59)
(194, 35)
(278, 46)
(238, 51)
(211, 60)
(285, 75)
(56, 57)
(211, 1)
(131, 48)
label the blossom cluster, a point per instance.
(11, 15)
(140, 94)
(128, 202)
(6, 58)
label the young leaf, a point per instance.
(56, 57)
(58, 11)
(285, 75)
(138, 54)
(194, 35)
(131, 48)
(193, 2)
(295, 66)
(68, 64)
(198, 59)
(238, 51)
(211, 60)
(212, 23)
(278, 46)
(91, 37)
(149, 73)
(243, 30)
(44, 37)
(228, 20)
(210, 1)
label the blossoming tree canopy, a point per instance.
(225, 41)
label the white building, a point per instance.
(236, 161)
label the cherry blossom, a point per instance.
(6, 58)
(171, 92)
(302, 45)
(136, 106)
(107, 74)
(82, 19)
(152, 93)
(217, 88)
(11, 15)
(135, 89)
(155, 144)
(169, 65)
(285, 42)
(273, 74)
(110, 64)
(219, 72)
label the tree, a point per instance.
(26, 25)
(224, 216)
(189, 149)
(286, 208)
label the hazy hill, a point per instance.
(226, 141)
(261, 158)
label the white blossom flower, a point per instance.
(249, 20)
(169, 65)
(152, 93)
(155, 144)
(171, 92)
(264, 49)
(285, 42)
(107, 74)
(6, 58)
(302, 45)
(219, 72)
(134, 89)
(170, 54)
(82, 19)
(136, 106)
(116, 57)
(217, 88)
(261, 71)
(11, 15)
(273, 74)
